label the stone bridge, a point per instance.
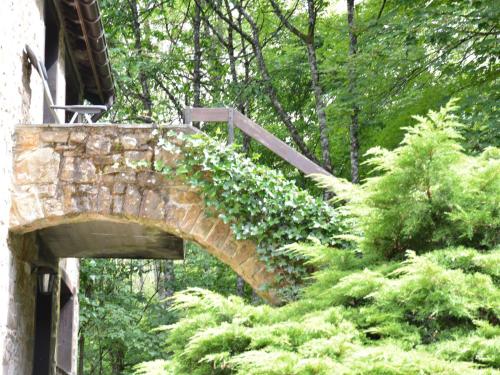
(72, 186)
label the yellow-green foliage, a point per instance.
(422, 318)
(427, 193)
(432, 312)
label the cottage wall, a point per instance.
(21, 101)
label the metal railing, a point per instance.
(234, 118)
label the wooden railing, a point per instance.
(234, 118)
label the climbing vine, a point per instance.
(259, 203)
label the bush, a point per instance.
(432, 313)
(429, 194)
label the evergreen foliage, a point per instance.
(427, 193)
(435, 312)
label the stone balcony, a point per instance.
(73, 186)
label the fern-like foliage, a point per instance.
(391, 306)
(425, 194)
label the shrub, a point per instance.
(427, 313)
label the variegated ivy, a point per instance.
(259, 203)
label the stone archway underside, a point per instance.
(67, 174)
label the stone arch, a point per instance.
(70, 174)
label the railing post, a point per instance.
(230, 126)
(188, 116)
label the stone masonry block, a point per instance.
(148, 179)
(174, 215)
(190, 218)
(55, 136)
(85, 171)
(98, 144)
(53, 207)
(68, 168)
(36, 166)
(47, 190)
(117, 204)
(230, 247)
(245, 250)
(91, 189)
(135, 156)
(26, 206)
(27, 139)
(119, 188)
(129, 142)
(250, 266)
(77, 137)
(169, 158)
(127, 176)
(203, 226)
(132, 201)
(152, 206)
(104, 200)
(183, 196)
(219, 234)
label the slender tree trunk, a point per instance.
(240, 283)
(81, 352)
(240, 286)
(145, 94)
(273, 96)
(244, 105)
(169, 278)
(354, 127)
(316, 85)
(100, 359)
(254, 40)
(197, 58)
(160, 285)
(117, 354)
(309, 41)
(320, 107)
(165, 278)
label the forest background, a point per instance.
(331, 78)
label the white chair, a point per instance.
(84, 111)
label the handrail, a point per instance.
(234, 118)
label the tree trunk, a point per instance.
(309, 41)
(160, 285)
(354, 127)
(254, 40)
(165, 279)
(169, 278)
(145, 94)
(117, 354)
(197, 59)
(320, 107)
(81, 353)
(244, 105)
(273, 96)
(240, 286)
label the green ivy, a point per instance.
(260, 204)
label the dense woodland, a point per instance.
(399, 101)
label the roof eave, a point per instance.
(86, 42)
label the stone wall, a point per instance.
(21, 101)
(65, 174)
(19, 307)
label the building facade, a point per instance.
(38, 316)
